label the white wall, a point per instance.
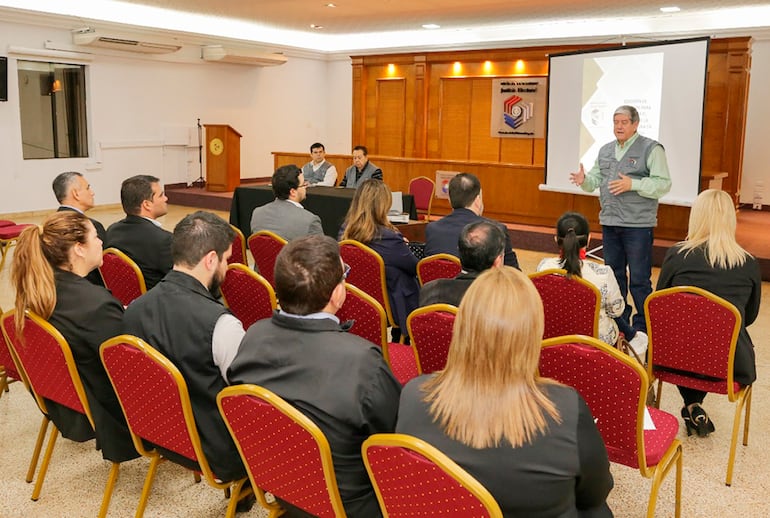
(756, 152)
(143, 112)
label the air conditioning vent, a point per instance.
(95, 39)
(218, 53)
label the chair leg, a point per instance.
(36, 451)
(743, 400)
(46, 460)
(235, 496)
(197, 477)
(673, 457)
(111, 480)
(148, 480)
(659, 393)
(747, 417)
(4, 247)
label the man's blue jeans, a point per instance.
(628, 247)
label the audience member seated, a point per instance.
(367, 222)
(572, 237)
(49, 267)
(74, 193)
(183, 320)
(139, 235)
(361, 170)
(285, 215)
(303, 354)
(318, 171)
(482, 246)
(530, 441)
(711, 259)
(441, 237)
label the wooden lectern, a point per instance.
(223, 157)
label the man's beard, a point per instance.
(215, 288)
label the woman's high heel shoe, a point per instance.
(688, 424)
(700, 420)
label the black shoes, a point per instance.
(696, 420)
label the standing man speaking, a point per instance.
(631, 174)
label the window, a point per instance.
(52, 100)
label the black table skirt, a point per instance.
(329, 203)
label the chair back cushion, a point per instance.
(247, 294)
(571, 306)
(367, 271)
(239, 248)
(265, 247)
(370, 321)
(440, 266)
(6, 360)
(431, 330)
(422, 189)
(121, 276)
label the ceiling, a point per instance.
(393, 25)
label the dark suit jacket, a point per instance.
(95, 277)
(144, 242)
(447, 291)
(441, 236)
(87, 315)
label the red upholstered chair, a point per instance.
(412, 478)
(371, 324)
(9, 234)
(45, 361)
(431, 330)
(248, 295)
(122, 276)
(422, 188)
(438, 266)
(265, 246)
(694, 331)
(285, 453)
(8, 371)
(571, 305)
(239, 248)
(614, 386)
(155, 401)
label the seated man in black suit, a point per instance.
(139, 235)
(74, 193)
(465, 197)
(482, 246)
(303, 354)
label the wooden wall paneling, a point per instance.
(359, 94)
(420, 113)
(482, 145)
(390, 119)
(738, 70)
(454, 118)
(715, 114)
(436, 73)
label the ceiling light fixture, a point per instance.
(314, 26)
(330, 5)
(431, 26)
(672, 9)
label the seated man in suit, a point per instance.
(361, 170)
(74, 193)
(285, 215)
(139, 235)
(441, 237)
(482, 246)
(303, 354)
(318, 171)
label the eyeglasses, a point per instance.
(303, 185)
(346, 271)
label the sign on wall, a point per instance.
(518, 107)
(442, 183)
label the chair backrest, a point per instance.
(422, 188)
(122, 276)
(367, 272)
(265, 247)
(46, 362)
(438, 266)
(614, 386)
(248, 295)
(571, 306)
(370, 320)
(8, 368)
(154, 399)
(239, 248)
(284, 452)
(693, 330)
(431, 330)
(412, 478)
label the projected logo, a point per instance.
(516, 112)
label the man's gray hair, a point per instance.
(628, 110)
(63, 183)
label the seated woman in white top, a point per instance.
(572, 236)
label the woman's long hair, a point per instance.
(38, 251)
(489, 391)
(571, 236)
(368, 212)
(712, 228)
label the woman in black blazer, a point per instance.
(49, 269)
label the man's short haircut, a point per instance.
(198, 234)
(463, 189)
(63, 183)
(316, 145)
(362, 149)
(306, 272)
(284, 180)
(628, 110)
(134, 191)
(480, 244)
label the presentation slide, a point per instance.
(665, 82)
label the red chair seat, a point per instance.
(12, 231)
(6, 223)
(713, 386)
(656, 442)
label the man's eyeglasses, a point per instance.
(306, 184)
(346, 271)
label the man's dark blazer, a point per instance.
(447, 291)
(144, 242)
(442, 236)
(94, 277)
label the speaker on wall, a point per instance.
(3, 78)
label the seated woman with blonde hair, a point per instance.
(530, 441)
(710, 258)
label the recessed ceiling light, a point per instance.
(431, 26)
(330, 5)
(672, 9)
(314, 26)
